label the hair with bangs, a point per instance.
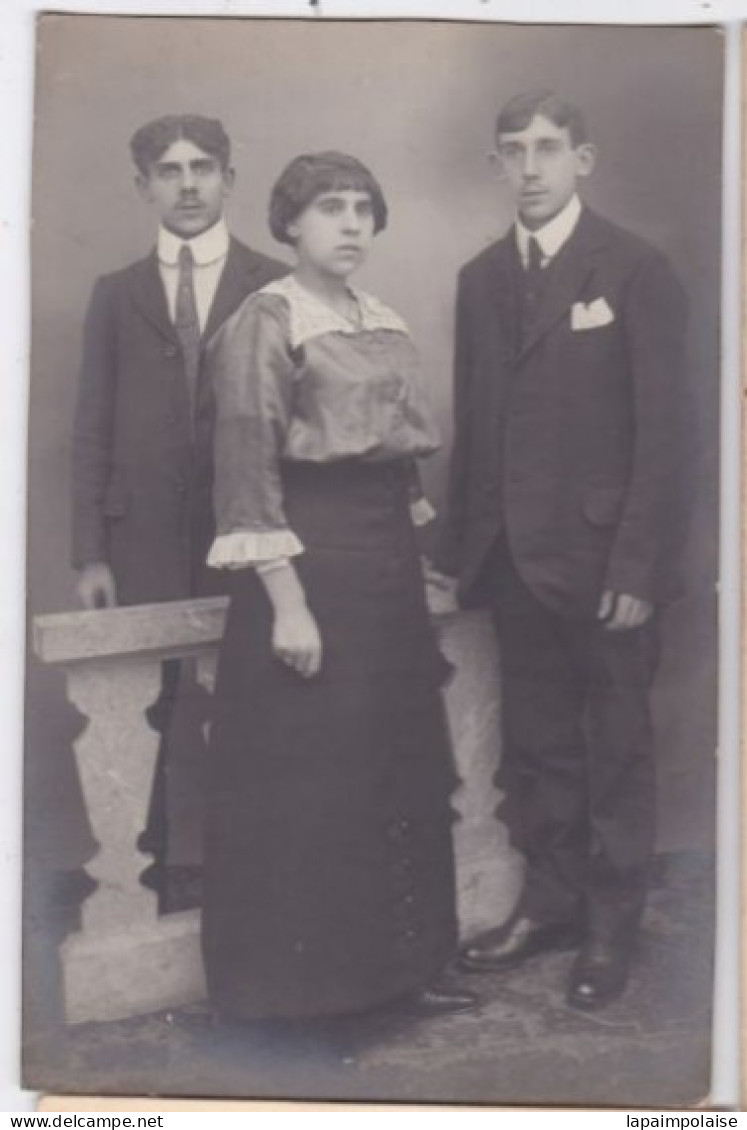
(313, 174)
(150, 142)
(517, 115)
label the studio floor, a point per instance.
(523, 1045)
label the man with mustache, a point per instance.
(142, 449)
(567, 517)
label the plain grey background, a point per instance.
(416, 102)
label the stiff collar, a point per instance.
(208, 247)
(311, 317)
(554, 234)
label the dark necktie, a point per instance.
(532, 283)
(186, 321)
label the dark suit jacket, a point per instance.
(572, 443)
(142, 473)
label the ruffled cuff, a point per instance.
(421, 511)
(244, 548)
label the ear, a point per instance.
(229, 180)
(497, 166)
(291, 230)
(586, 159)
(142, 184)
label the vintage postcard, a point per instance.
(373, 558)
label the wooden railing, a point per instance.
(125, 959)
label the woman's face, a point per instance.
(334, 232)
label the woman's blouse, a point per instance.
(294, 380)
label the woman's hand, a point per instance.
(296, 640)
(295, 635)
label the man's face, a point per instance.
(541, 166)
(187, 187)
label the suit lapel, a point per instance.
(568, 275)
(149, 296)
(235, 283)
(500, 293)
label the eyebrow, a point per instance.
(194, 163)
(516, 139)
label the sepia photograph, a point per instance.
(373, 561)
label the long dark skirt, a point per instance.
(329, 878)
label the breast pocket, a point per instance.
(595, 337)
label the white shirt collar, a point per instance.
(554, 234)
(208, 247)
(310, 317)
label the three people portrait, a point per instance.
(264, 426)
(567, 505)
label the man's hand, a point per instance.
(440, 590)
(620, 612)
(96, 588)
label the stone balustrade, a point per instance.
(125, 959)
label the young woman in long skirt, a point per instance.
(329, 875)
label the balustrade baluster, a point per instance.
(488, 870)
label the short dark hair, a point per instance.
(517, 114)
(312, 174)
(151, 141)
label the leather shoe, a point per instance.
(438, 998)
(514, 942)
(599, 975)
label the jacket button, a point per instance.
(170, 351)
(181, 486)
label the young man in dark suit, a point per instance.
(566, 515)
(142, 450)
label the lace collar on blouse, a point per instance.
(310, 317)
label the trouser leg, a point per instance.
(173, 832)
(185, 781)
(543, 768)
(153, 838)
(622, 665)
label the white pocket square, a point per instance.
(592, 315)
